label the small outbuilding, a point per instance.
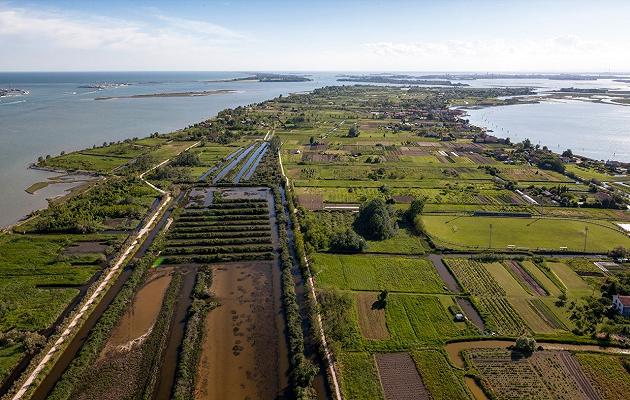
(622, 304)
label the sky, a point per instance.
(395, 35)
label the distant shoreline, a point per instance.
(172, 94)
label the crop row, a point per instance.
(239, 211)
(219, 241)
(229, 218)
(220, 228)
(225, 206)
(219, 235)
(541, 308)
(218, 249)
(500, 316)
(474, 277)
(213, 258)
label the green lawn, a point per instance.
(374, 273)
(474, 233)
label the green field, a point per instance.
(359, 377)
(404, 242)
(575, 286)
(417, 318)
(373, 273)
(442, 381)
(534, 234)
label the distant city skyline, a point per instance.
(451, 35)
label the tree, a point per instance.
(415, 209)
(527, 144)
(376, 220)
(186, 159)
(381, 300)
(567, 153)
(525, 345)
(619, 252)
(353, 131)
(275, 144)
(347, 241)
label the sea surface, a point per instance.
(58, 116)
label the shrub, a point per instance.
(347, 241)
(376, 220)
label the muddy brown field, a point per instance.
(240, 348)
(399, 377)
(371, 320)
(139, 318)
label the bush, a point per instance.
(347, 241)
(186, 159)
(525, 345)
(376, 220)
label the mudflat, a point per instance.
(240, 348)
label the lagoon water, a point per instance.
(58, 116)
(595, 130)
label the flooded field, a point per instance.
(242, 346)
(136, 323)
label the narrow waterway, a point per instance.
(310, 345)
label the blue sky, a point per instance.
(447, 35)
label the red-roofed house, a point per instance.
(622, 304)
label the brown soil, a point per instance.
(240, 348)
(372, 321)
(141, 315)
(525, 279)
(400, 378)
(86, 247)
(311, 202)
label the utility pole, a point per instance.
(585, 237)
(490, 246)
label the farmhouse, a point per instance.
(622, 304)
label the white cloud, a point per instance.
(33, 33)
(566, 52)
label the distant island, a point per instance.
(397, 80)
(6, 92)
(263, 77)
(474, 76)
(171, 94)
(101, 86)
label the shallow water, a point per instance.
(599, 131)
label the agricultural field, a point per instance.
(359, 376)
(607, 373)
(544, 375)
(443, 381)
(516, 297)
(473, 233)
(373, 273)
